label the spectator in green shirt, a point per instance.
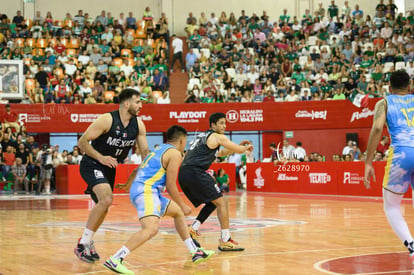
(323, 34)
(325, 87)
(223, 180)
(377, 74)
(366, 63)
(284, 18)
(4, 26)
(299, 76)
(410, 18)
(307, 17)
(338, 95)
(332, 9)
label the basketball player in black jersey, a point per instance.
(200, 187)
(112, 136)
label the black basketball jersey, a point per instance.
(199, 154)
(118, 140)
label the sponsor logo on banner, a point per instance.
(352, 178)
(366, 112)
(188, 117)
(319, 178)
(251, 115)
(312, 114)
(232, 116)
(284, 177)
(32, 118)
(83, 118)
(255, 115)
(74, 117)
(145, 118)
(259, 180)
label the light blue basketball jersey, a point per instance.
(151, 172)
(400, 120)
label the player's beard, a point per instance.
(132, 112)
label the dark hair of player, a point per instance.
(216, 117)
(127, 94)
(399, 80)
(175, 132)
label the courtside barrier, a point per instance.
(330, 178)
(69, 180)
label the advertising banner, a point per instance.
(69, 180)
(70, 118)
(335, 178)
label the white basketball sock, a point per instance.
(86, 236)
(190, 245)
(225, 235)
(122, 253)
(392, 209)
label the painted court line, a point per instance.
(318, 265)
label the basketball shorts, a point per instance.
(199, 186)
(148, 201)
(94, 173)
(399, 170)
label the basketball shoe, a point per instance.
(194, 234)
(201, 255)
(83, 253)
(117, 266)
(230, 245)
(92, 249)
(410, 247)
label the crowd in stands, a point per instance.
(335, 53)
(24, 162)
(84, 60)
(351, 152)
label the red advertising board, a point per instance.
(335, 178)
(69, 180)
(194, 117)
(310, 178)
(351, 179)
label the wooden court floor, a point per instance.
(282, 234)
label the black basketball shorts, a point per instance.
(94, 173)
(199, 186)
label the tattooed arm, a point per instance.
(380, 117)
